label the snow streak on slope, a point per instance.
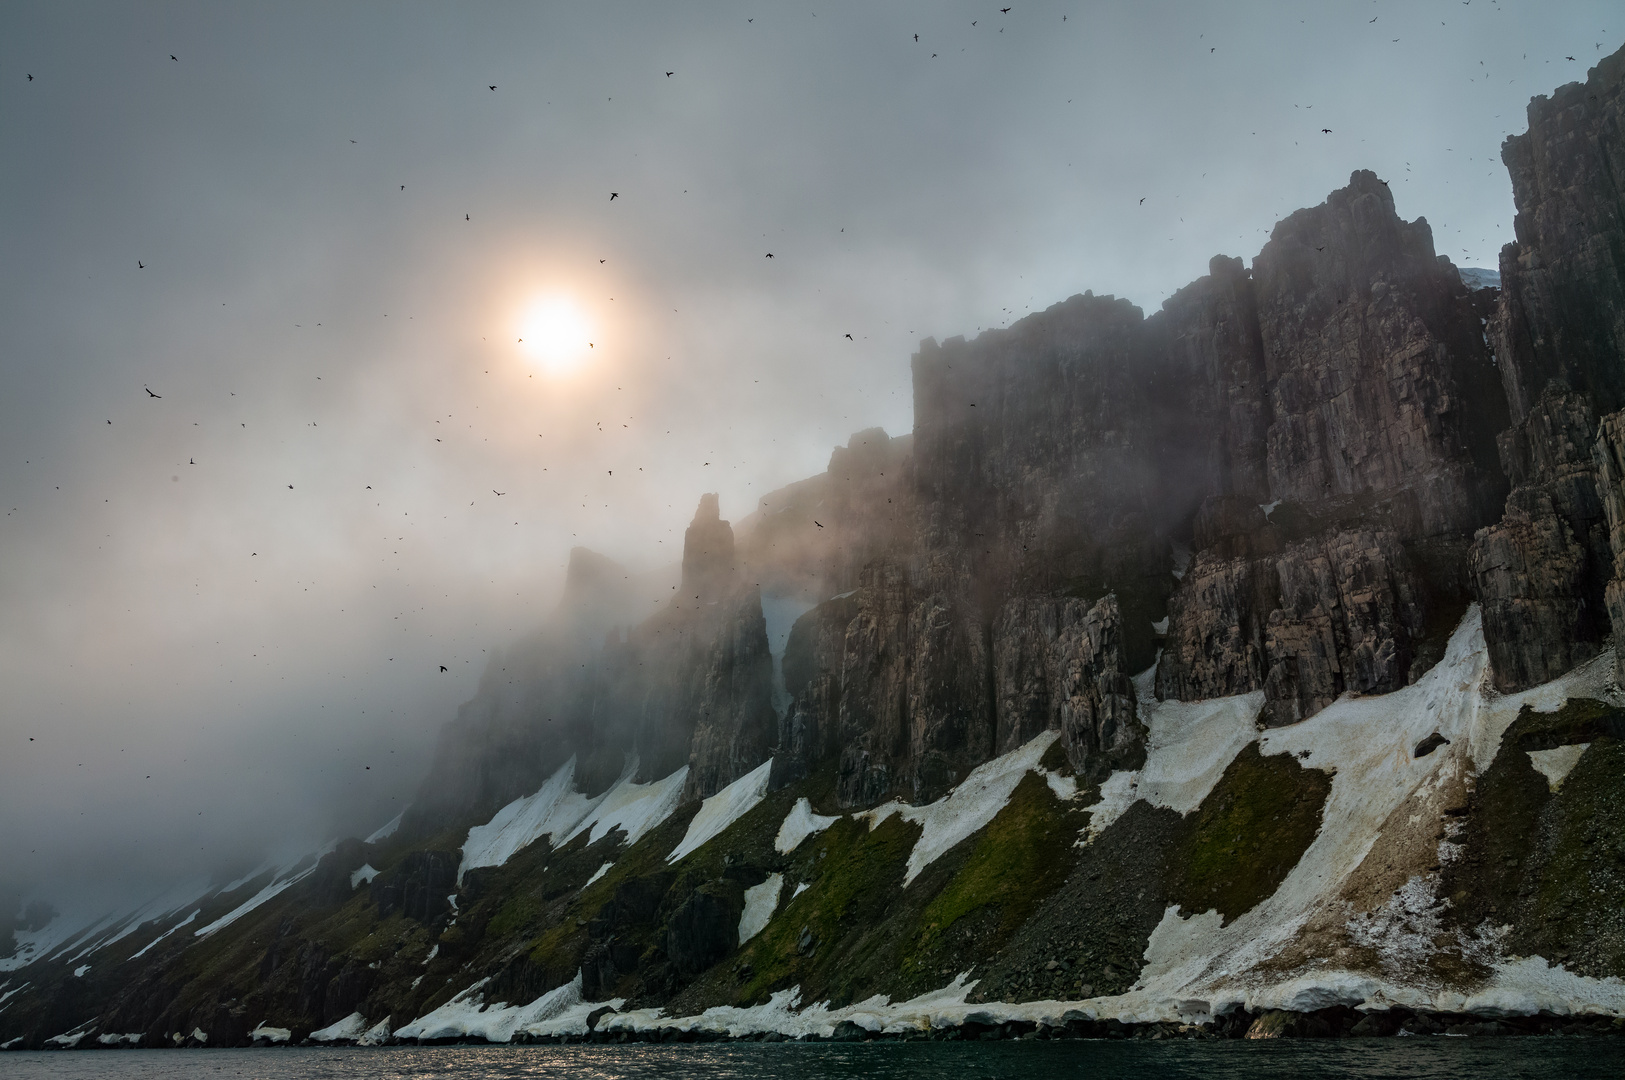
(387, 829)
(1189, 745)
(780, 613)
(760, 903)
(799, 824)
(1198, 967)
(724, 808)
(556, 1012)
(561, 813)
(971, 805)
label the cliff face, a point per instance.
(1559, 332)
(1361, 416)
(1283, 489)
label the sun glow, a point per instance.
(556, 334)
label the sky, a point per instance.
(273, 450)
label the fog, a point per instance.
(272, 452)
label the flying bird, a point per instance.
(849, 337)
(175, 58)
(1373, 20)
(467, 218)
(493, 88)
(1568, 58)
(31, 79)
(1325, 131)
(669, 74)
(819, 524)
(614, 195)
(442, 667)
(150, 393)
(600, 262)
(1142, 201)
(494, 491)
(1004, 11)
(770, 254)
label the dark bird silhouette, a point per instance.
(494, 491)
(614, 195)
(150, 393)
(467, 218)
(669, 74)
(493, 88)
(849, 337)
(600, 262)
(442, 667)
(403, 187)
(1004, 11)
(352, 140)
(1568, 58)
(770, 254)
(819, 524)
(1142, 201)
(1325, 131)
(1214, 49)
(1373, 20)
(31, 79)
(139, 265)
(1321, 248)
(175, 58)
(191, 461)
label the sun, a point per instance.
(556, 333)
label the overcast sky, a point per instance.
(314, 232)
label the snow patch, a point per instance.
(270, 892)
(598, 873)
(129, 1039)
(188, 921)
(1556, 764)
(364, 875)
(968, 807)
(377, 1034)
(561, 813)
(557, 1012)
(79, 972)
(780, 614)
(761, 901)
(723, 809)
(800, 888)
(799, 824)
(269, 1034)
(1188, 746)
(384, 832)
(349, 1029)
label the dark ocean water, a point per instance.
(1400, 1059)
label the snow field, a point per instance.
(723, 809)
(561, 813)
(761, 901)
(799, 824)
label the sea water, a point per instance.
(1420, 1058)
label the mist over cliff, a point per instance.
(299, 545)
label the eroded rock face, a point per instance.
(1380, 380)
(1349, 616)
(1610, 458)
(1057, 665)
(1559, 333)
(915, 713)
(1540, 573)
(1372, 405)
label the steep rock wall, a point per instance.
(1559, 333)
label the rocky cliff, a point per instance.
(1239, 668)
(1559, 333)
